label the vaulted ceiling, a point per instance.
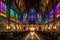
(39, 5)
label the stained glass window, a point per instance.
(24, 18)
(2, 9)
(32, 16)
(57, 11)
(6, 10)
(46, 18)
(39, 18)
(12, 13)
(16, 16)
(2, 6)
(20, 18)
(51, 16)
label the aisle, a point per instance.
(32, 36)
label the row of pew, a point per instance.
(12, 35)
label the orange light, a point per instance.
(2, 14)
(20, 27)
(51, 19)
(17, 21)
(49, 27)
(32, 33)
(7, 27)
(12, 19)
(58, 13)
(17, 26)
(14, 27)
(32, 29)
(54, 27)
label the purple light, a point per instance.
(20, 18)
(57, 8)
(58, 5)
(2, 6)
(51, 12)
(46, 16)
(32, 18)
(32, 11)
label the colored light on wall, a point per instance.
(20, 18)
(57, 8)
(11, 13)
(46, 18)
(2, 6)
(46, 21)
(24, 18)
(39, 18)
(6, 10)
(51, 16)
(51, 12)
(58, 14)
(32, 18)
(16, 16)
(56, 11)
(11, 18)
(50, 19)
(17, 21)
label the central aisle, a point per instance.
(32, 36)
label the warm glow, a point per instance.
(43, 28)
(32, 29)
(14, 27)
(46, 27)
(58, 16)
(57, 23)
(17, 21)
(17, 26)
(58, 13)
(20, 27)
(11, 18)
(32, 33)
(54, 27)
(2, 14)
(7, 27)
(49, 27)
